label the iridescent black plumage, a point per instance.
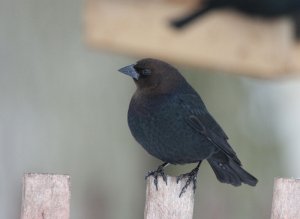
(169, 119)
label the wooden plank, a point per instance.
(222, 40)
(46, 196)
(165, 202)
(286, 199)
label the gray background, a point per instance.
(63, 110)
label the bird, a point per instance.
(168, 118)
(261, 8)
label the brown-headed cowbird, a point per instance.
(262, 8)
(169, 119)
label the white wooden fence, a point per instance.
(47, 196)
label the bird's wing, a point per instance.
(200, 120)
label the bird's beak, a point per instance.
(129, 70)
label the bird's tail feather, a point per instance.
(228, 171)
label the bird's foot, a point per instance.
(191, 178)
(157, 173)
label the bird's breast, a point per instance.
(160, 127)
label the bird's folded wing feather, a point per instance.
(201, 121)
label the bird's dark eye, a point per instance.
(143, 71)
(146, 71)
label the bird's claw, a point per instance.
(191, 178)
(156, 174)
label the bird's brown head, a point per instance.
(153, 75)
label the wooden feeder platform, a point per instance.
(222, 40)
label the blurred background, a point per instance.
(63, 109)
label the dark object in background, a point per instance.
(263, 8)
(168, 118)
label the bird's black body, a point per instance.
(262, 8)
(160, 124)
(169, 119)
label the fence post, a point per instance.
(45, 196)
(165, 202)
(286, 199)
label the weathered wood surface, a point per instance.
(46, 196)
(286, 199)
(222, 40)
(165, 202)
